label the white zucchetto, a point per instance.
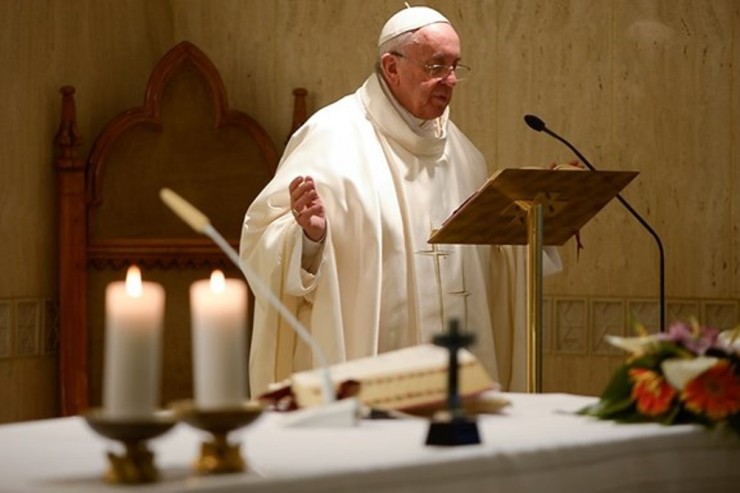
(409, 19)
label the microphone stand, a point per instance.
(537, 124)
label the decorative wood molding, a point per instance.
(171, 253)
(68, 139)
(300, 113)
(72, 217)
(150, 113)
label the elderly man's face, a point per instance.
(423, 95)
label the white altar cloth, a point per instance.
(536, 444)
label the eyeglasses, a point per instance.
(439, 71)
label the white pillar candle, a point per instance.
(134, 311)
(219, 310)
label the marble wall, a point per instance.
(645, 85)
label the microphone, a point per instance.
(339, 413)
(535, 123)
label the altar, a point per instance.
(537, 443)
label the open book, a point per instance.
(405, 379)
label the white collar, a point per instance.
(426, 137)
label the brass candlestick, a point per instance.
(136, 465)
(218, 456)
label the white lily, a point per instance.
(730, 338)
(634, 345)
(679, 371)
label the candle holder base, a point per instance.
(136, 465)
(218, 456)
(452, 429)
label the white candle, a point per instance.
(219, 309)
(134, 311)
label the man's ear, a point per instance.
(389, 66)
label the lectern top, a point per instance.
(496, 214)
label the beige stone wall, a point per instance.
(645, 85)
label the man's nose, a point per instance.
(450, 79)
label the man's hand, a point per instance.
(570, 166)
(307, 207)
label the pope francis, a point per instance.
(340, 233)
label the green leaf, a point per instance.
(619, 387)
(671, 416)
(616, 407)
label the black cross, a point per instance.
(453, 340)
(453, 427)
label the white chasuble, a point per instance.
(379, 285)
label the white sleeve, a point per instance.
(311, 254)
(551, 262)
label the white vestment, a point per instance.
(379, 285)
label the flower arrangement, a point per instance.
(689, 374)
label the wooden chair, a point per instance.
(184, 137)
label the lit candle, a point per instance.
(219, 309)
(134, 311)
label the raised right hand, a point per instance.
(307, 207)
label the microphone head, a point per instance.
(187, 212)
(534, 122)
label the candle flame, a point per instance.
(218, 281)
(133, 282)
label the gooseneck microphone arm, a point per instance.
(535, 123)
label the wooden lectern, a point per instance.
(533, 207)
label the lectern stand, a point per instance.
(532, 207)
